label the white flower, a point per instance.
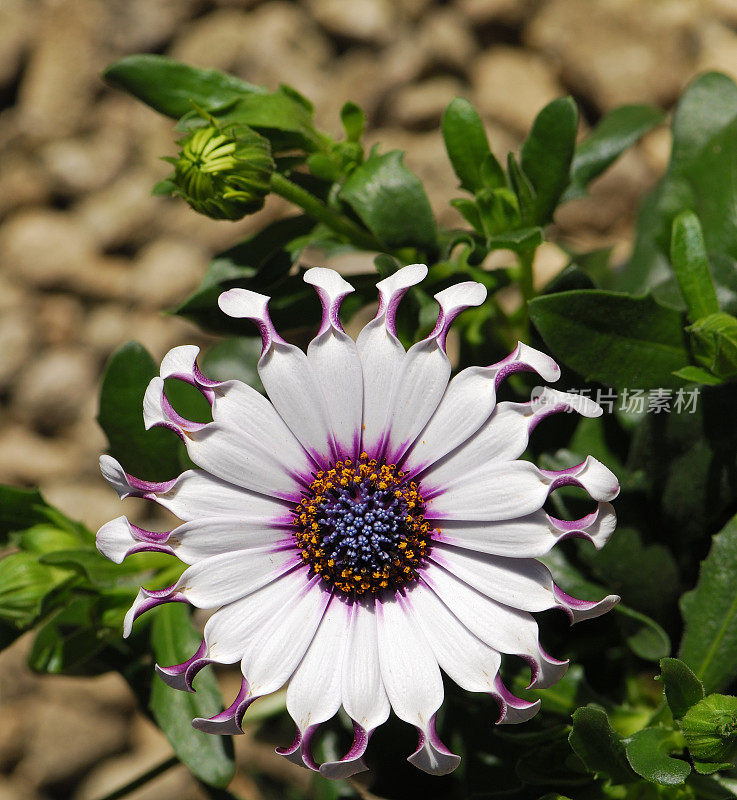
(368, 527)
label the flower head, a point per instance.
(223, 172)
(367, 526)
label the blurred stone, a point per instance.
(655, 146)
(91, 500)
(59, 319)
(361, 20)
(136, 25)
(11, 736)
(73, 737)
(17, 341)
(245, 43)
(22, 182)
(445, 37)
(513, 85)
(613, 198)
(85, 164)
(421, 105)
(726, 10)
(122, 211)
(62, 73)
(28, 458)
(50, 392)
(619, 51)
(549, 261)
(15, 34)
(167, 271)
(17, 789)
(45, 247)
(507, 12)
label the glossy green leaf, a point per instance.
(391, 202)
(615, 339)
(682, 688)
(519, 240)
(616, 132)
(599, 747)
(546, 155)
(234, 359)
(170, 87)
(151, 455)
(468, 148)
(648, 753)
(691, 266)
(19, 509)
(709, 643)
(210, 758)
(700, 178)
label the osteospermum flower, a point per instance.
(367, 526)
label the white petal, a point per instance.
(273, 653)
(469, 662)
(314, 692)
(522, 583)
(494, 491)
(382, 353)
(505, 629)
(468, 402)
(334, 360)
(227, 577)
(193, 494)
(412, 680)
(505, 434)
(529, 536)
(423, 376)
(247, 443)
(203, 538)
(505, 490)
(286, 375)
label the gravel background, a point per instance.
(89, 260)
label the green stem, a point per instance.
(323, 213)
(527, 287)
(141, 780)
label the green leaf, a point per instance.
(714, 340)
(234, 359)
(691, 265)
(468, 148)
(709, 643)
(354, 121)
(24, 585)
(599, 747)
(210, 758)
(648, 752)
(391, 202)
(19, 509)
(682, 688)
(100, 571)
(151, 455)
(171, 87)
(522, 239)
(547, 153)
(612, 338)
(701, 177)
(524, 191)
(700, 375)
(260, 263)
(614, 134)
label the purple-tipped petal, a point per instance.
(352, 762)
(120, 538)
(512, 710)
(230, 721)
(599, 481)
(180, 676)
(245, 304)
(432, 756)
(579, 610)
(181, 363)
(331, 289)
(597, 527)
(452, 301)
(146, 600)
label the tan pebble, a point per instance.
(363, 20)
(17, 342)
(511, 86)
(167, 271)
(421, 105)
(59, 319)
(50, 392)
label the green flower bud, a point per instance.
(710, 728)
(223, 173)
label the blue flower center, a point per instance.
(361, 527)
